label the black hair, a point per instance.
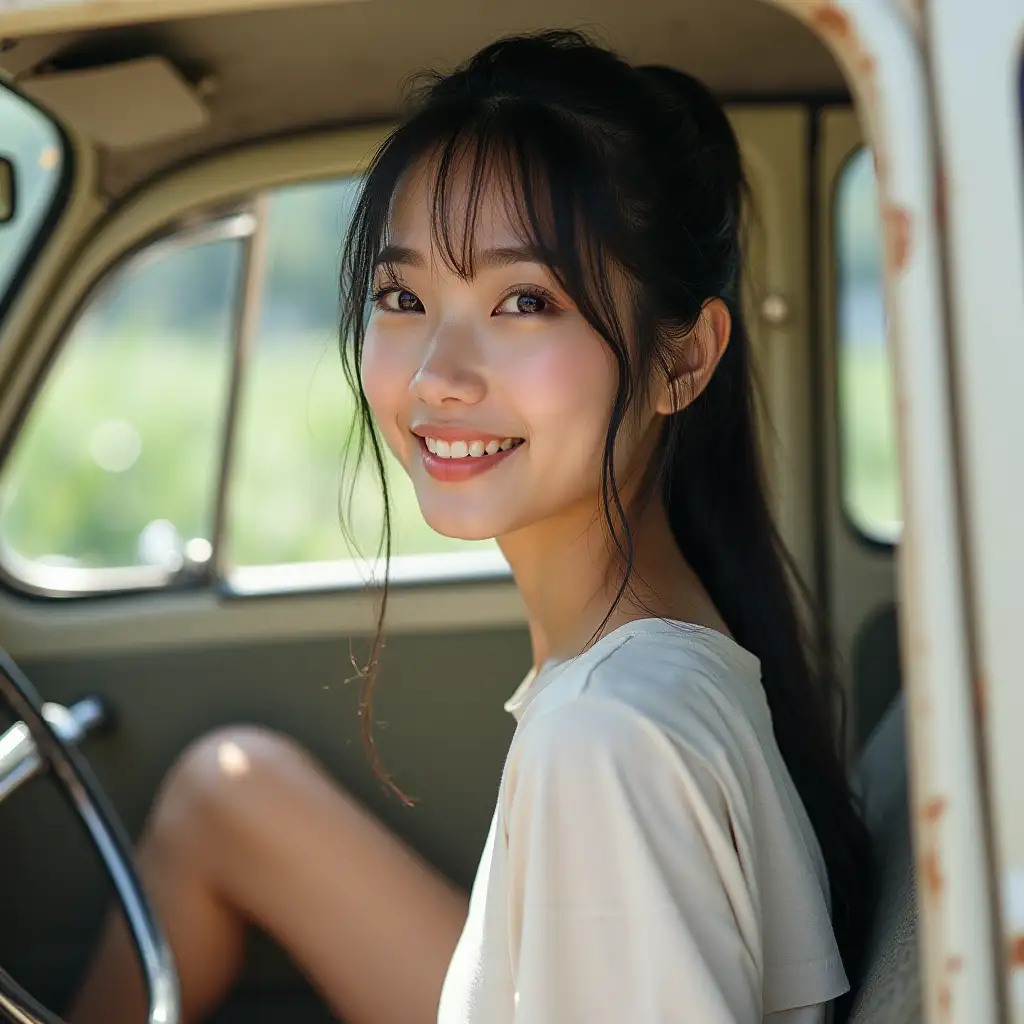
(606, 165)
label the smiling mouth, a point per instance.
(469, 449)
(455, 461)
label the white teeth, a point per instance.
(462, 449)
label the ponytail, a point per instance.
(713, 487)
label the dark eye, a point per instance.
(399, 300)
(524, 303)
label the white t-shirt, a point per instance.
(649, 860)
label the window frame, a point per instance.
(27, 578)
(58, 205)
(25, 575)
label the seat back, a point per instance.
(890, 990)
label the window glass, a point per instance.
(31, 142)
(867, 408)
(297, 411)
(117, 463)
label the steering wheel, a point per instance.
(44, 738)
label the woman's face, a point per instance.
(494, 393)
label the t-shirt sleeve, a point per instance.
(626, 899)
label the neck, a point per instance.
(568, 572)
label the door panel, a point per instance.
(176, 664)
(441, 695)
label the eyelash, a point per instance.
(378, 296)
(529, 290)
(532, 291)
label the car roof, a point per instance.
(277, 67)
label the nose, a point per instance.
(449, 370)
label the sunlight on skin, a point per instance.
(233, 760)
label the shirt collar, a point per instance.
(538, 678)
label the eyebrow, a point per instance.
(490, 259)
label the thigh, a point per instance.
(369, 921)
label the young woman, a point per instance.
(542, 321)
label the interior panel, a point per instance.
(273, 71)
(446, 732)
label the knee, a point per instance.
(219, 779)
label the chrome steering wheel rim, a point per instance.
(107, 834)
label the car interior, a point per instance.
(172, 417)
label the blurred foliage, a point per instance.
(128, 429)
(120, 453)
(866, 399)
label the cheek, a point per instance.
(385, 378)
(567, 394)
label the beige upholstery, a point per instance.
(265, 72)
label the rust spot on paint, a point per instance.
(1017, 951)
(867, 66)
(954, 964)
(931, 872)
(945, 999)
(934, 809)
(880, 167)
(833, 22)
(897, 236)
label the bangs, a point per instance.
(535, 167)
(495, 166)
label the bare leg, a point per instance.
(248, 828)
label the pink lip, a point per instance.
(454, 471)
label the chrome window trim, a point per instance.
(357, 574)
(248, 308)
(40, 579)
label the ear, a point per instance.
(698, 354)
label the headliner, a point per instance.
(317, 64)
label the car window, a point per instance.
(30, 140)
(116, 466)
(296, 410)
(116, 477)
(866, 403)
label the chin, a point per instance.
(459, 526)
(451, 527)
